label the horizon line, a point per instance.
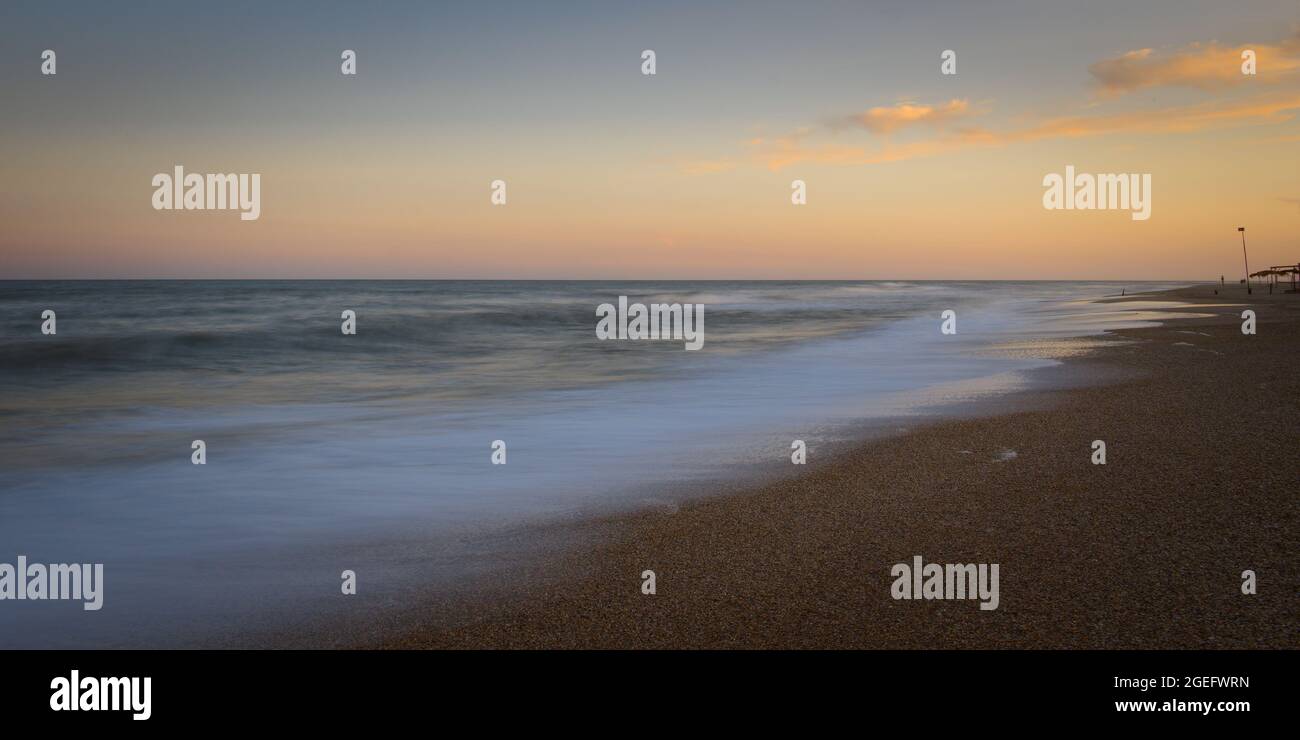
(602, 280)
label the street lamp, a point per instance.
(1242, 229)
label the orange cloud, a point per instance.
(779, 153)
(886, 120)
(1181, 119)
(1203, 66)
(1200, 65)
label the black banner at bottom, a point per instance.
(211, 689)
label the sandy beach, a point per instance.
(1146, 551)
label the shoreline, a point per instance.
(1144, 552)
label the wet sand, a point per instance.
(1147, 551)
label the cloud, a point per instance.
(886, 120)
(1291, 201)
(939, 128)
(781, 152)
(1209, 66)
(1179, 119)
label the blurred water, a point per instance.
(327, 451)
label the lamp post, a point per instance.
(1242, 229)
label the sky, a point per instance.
(686, 174)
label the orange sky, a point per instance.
(928, 177)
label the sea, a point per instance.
(374, 452)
